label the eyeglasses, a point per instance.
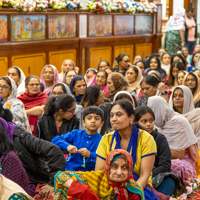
(34, 84)
(3, 87)
(48, 73)
(126, 61)
(188, 80)
(54, 94)
(71, 76)
(71, 111)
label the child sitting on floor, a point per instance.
(82, 144)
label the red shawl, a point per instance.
(31, 101)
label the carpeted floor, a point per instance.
(197, 196)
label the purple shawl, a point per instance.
(9, 128)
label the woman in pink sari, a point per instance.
(100, 79)
(49, 77)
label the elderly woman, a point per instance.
(49, 77)
(116, 82)
(115, 181)
(67, 65)
(180, 136)
(19, 77)
(134, 77)
(32, 98)
(175, 27)
(8, 91)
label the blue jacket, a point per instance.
(80, 139)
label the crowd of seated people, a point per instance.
(131, 131)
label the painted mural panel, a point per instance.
(3, 28)
(143, 24)
(62, 26)
(100, 25)
(28, 27)
(123, 25)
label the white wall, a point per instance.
(177, 3)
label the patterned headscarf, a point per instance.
(119, 190)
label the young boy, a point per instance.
(82, 144)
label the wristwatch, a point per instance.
(164, 93)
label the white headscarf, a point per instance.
(61, 75)
(17, 107)
(189, 111)
(21, 88)
(89, 70)
(177, 21)
(173, 125)
(66, 87)
(136, 84)
(124, 92)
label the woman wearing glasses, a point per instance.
(8, 92)
(33, 97)
(192, 81)
(68, 76)
(123, 61)
(49, 77)
(58, 118)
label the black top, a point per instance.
(46, 127)
(116, 69)
(163, 159)
(186, 31)
(41, 159)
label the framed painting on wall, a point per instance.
(159, 19)
(100, 25)
(28, 27)
(123, 25)
(3, 28)
(143, 24)
(62, 26)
